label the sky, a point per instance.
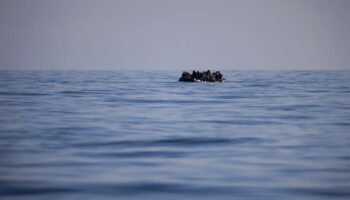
(175, 34)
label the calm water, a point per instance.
(105, 135)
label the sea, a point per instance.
(131, 135)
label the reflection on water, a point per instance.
(104, 135)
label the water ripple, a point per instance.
(102, 135)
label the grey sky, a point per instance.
(174, 34)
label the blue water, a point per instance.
(144, 135)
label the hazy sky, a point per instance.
(174, 34)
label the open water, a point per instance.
(144, 135)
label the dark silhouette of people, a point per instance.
(205, 76)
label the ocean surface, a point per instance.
(144, 135)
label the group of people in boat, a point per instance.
(205, 76)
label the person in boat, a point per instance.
(205, 76)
